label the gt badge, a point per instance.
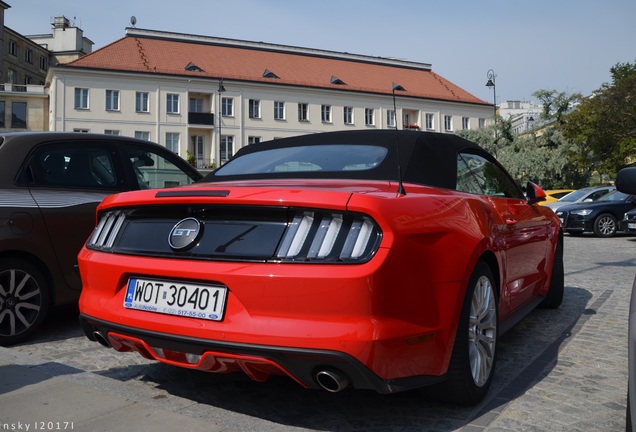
(185, 234)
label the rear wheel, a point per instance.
(473, 360)
(24, 300)
(605, 225)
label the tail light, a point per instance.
(329, 237)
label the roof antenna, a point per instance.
(401, 190)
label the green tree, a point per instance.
(543, 158)
(604, 126)
(556, 104)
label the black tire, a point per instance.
(24, 300)
(605, 225)
(472, 364)
(557, 282)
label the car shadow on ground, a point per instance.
(527, 354)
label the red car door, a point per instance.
(524, 231)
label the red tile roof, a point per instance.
(164, 53)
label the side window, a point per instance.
(478, 175)
(73, 165)
(596, 195)
(154, 170)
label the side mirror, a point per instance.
(626, 180)
(534, 193)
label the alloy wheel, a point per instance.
(21, 301)
(482, 331)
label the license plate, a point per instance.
(631, 226)
(176, 298)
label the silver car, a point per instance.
(586, 194)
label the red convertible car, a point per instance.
(383, 260)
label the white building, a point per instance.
(170, 88)
(522, 114)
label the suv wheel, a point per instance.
(24, 300)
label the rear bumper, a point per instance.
(257, 361)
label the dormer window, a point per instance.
(193, 68)
(269, 74)
(337, 81)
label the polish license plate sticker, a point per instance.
(176, 298)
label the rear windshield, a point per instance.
(321, 158)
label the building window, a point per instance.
(325, 113)
(227, 148)
(369, 116)
(78, 130)
(112, 100)
(112, 132)
(196, 105)
(465, 123)
(430, 121)
(254, 106)
(253, 140)
(44, 63)
(13, 48)
(279, 110)
(482, 123)
(142, 135)
(28, 55)
(19, 115)
(12, 77)
(303, 112)
(142, 102)
(448, 123)
(172, 141)
(390, 119)
(2, 114)
(81, 98)
(227, 107)
(172, 103)
(348, 115)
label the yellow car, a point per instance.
(554, 195)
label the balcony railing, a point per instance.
(199, 118)
(22, 88)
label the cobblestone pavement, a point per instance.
(558, 370)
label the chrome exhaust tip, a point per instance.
(332, 380)
(101, 339)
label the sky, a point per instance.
(563, 45)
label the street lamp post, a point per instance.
(529, 119)
(221, 90)
(491, 84)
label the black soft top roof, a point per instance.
(427, 158)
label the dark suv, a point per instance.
(50, 185)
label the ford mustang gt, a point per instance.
(384, 260)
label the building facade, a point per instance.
(24, 63)
(206, 97)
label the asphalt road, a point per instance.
(558, 370)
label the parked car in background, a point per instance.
(366, 259)
(626, 183)
(602, 217)
(554, 195)
(629, 221)
(587, 194)
(50, 185)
